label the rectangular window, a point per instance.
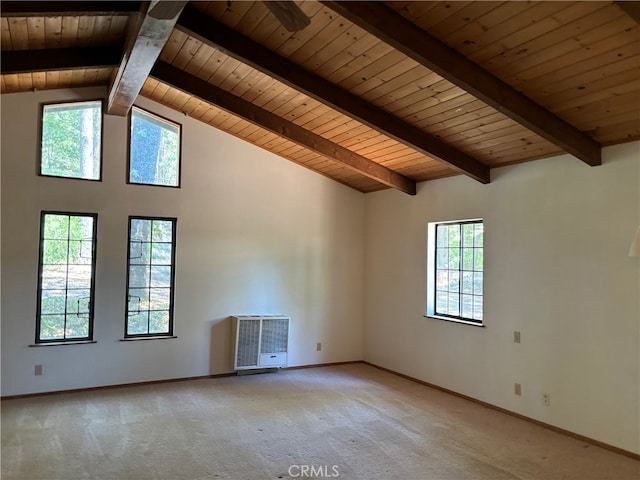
(455, 271)
(150, 276)
(67, 277)
(154, 150)
(71, 140)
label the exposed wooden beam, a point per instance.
(391, 27)
(39, 9)
(217, 35)
(288, 14)
(147, 35)
(21, 61)
(630, 8)
(209, 93)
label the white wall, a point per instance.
(256, 234)
(557, 233)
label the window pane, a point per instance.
(467, 259)
(154, 153)
(56, 226)
(80, 228)
(442, 279)
(138, 276)
(479, 234)
(467, 282)
(467, 235)
(137, 323)
(79, 276)
(454, 235)
(454, 304)
(55, 252)
(75, 252)
(477, 308)
(141, 230)
(139, 252)
(161, 254)
(478, 259)
(66, 277)
(161, 276)
(54, 276)
(150, 277)
(162, 231)
(138, 299)
(454, 281)
(78, 301)
(442, 258)
(77, 326)
(442, 302)
(51, 327)
(477, 283)
(159, 299)
(53, 301)
(467, 306)
(456, 265)
(80, 252)
(71, 135)
(454, 258)
(442, 236)
(159, 322)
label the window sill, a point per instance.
(159, 337)
(55, 344)
(455, 320)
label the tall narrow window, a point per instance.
(67, 277)
(456, 276)
(154, 150)
(71, 140)
(150, 276)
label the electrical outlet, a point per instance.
(517, 389)
(516, 337)
(37, 369)
(319, 347)
(546, 399)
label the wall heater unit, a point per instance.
(260, 341)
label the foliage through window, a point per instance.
(455, 289)
(67, 277)
(154, 150)
(71, 140)
(150, 276)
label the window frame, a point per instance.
(432, 272)
(129, 140)
(41, 134)
(94, 243)
(174, 230)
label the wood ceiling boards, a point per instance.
(355, 102)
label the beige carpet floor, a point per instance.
(349, 422)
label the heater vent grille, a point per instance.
(248, 338)
(260, 341)
(275, 335)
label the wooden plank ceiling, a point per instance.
(358, 95)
